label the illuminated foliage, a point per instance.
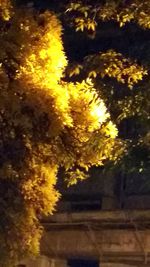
(116, 56)
(110, 64)
(49, 121)
(46, 124)
(86, 16)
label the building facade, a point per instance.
(97, 224)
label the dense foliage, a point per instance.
(46, 123)
(115, 38)
(51, 115)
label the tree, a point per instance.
(47, 123)
(116, 57)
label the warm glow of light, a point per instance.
(99, 112)
(111, 130)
